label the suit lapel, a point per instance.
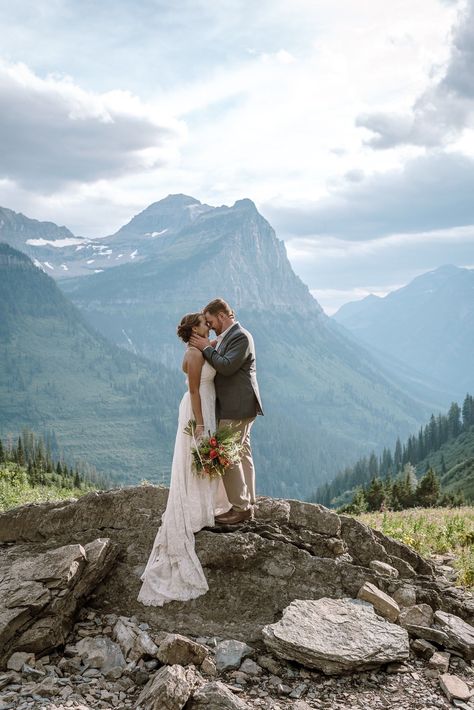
(226, 337)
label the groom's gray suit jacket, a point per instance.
(237, 393)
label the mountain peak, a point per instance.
(177, 200)
(246, 204)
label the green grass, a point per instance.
(433, 531)
(15, 489)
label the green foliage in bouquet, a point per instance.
(213, 454)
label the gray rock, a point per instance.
(270, 664)
(314, 517)
(101, 652)
(230, 654)
(134, 642)
(168, 689)
(405, 595)
(385, 605)
(418, 614)
(250, 667)
(454, 687)
(16, 660)
(423, 648)
(460, 634)
(40, 593)
(209, 667)
(215, 696)
(178, 649)
(336, 636)
(439, 661)
(427, 633)
(384, 569)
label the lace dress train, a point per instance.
(173, 571)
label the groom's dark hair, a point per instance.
(218, 305)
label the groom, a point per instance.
(237, 400)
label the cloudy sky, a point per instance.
(350, 123)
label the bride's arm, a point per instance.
(194, 364)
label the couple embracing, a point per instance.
(222, 394)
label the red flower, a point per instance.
(213, 441)
(213, 453)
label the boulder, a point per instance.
(168, 689)
(100, 652)
(16, 660)
(454, 687)
(250, 667)
(384, 569)
(336, 636)
(460, 634)
(134, 642)
(427, 633)
(41, 592)
(405, 595)
(423, 648)
(215, 696)
(439, 661)
(230, 654)
(178, 649)
(382, 603)
(418, 614)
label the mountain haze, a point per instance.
(106, 405)
(325, 398)
(428, 325)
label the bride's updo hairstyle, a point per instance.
(185, 328)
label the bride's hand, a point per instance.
(213, 343)
(199, 432)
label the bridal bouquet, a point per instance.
(213, 455)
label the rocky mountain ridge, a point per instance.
(427, 324)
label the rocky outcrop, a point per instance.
(41, 593)
(336, 636)
(292, 550)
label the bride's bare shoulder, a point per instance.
(191, 351)
(191, 354)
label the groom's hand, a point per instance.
(198, 342)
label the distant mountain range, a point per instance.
(107, 406)
(327, 400)
(427, 325)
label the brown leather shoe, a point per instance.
(223, 516)
(235, 517)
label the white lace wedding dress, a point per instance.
(173, 571)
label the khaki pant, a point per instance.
(239, 480)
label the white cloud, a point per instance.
(53, 132)
(444, 109)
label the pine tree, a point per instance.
(467, 412)
(359, 503)
(375, 494)
(77, 480)
(454, 419)
(397, 457)
(20, 456)
(373, 466)
(2, 453)
(428, 489)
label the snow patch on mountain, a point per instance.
(58, 243)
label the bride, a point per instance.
(173, 571)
